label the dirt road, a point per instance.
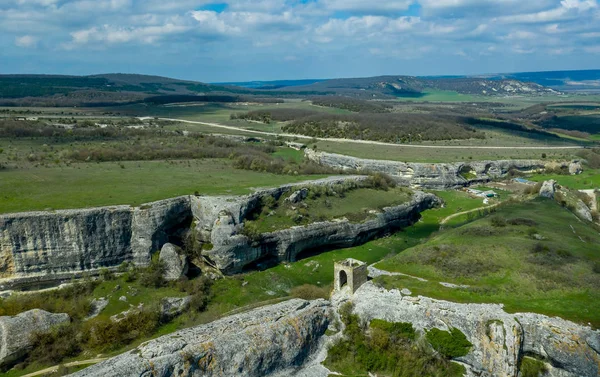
(371, 142)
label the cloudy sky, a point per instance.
(235, 40)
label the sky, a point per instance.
(244, 40)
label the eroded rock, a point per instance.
(548, 189)
(259, 343)
(175, 262)
(499, 339)
(16, 331)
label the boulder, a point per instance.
(16, 331)
(171, 307)
(583, 211)
(176, 265)
(98, 306)
(262, 342)
(298, 196)
(575, 168)
(548, 189)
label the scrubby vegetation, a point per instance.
(396, 127)
(351, 104)
(531, 256)
(104, 333)
(390, 349)
(356, 201)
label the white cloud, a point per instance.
(26, 41)
(367, 6)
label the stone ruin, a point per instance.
(350, 272)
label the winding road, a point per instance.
(371, 142)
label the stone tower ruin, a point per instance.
(350, 272)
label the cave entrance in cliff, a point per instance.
(343, 279)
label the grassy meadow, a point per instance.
(131, 182)
(519, 256)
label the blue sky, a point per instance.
(242, 40)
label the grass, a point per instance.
(589, 179)
(353, 205)
(101, 184)
(402, 153)
(506, 264)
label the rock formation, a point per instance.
(37, 247)
(548, 188)
(15, 332)
(171, 307)
(232, 251)
(429, 175)
(499, 339)
(175, 262)
(259, 343)
(40, 246)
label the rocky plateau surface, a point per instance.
(263, 342)
(499, 339)
(435, 175)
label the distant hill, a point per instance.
(116, 89)
(584, 80)
(414, 87)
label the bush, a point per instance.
(53, 346)
(395, 330)
(532, 368)
(381, 181)
(153, 276)
(104, 334)
(522, 221)
(498, 221)
(310, 292)
(450, 344)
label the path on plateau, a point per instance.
(72, 364)
(445, 220)
(239, 129)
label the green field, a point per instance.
(412, 154)
(355, 205)
(100, 184)
(589, 179)
(556, 275)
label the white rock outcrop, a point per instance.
(174, 261)
(16, 331)
(259, 343)
(499, 339)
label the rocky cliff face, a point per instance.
(259, 343)
(499, 339)
(16, 331)
(37, 246)
(232, 251)
(425, 175)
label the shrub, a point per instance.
(104, 334)
(53, 346)
(380, 181)
(450, 344)
(532, 368)
(522, 221)
(498, 221)
(395, 330)
(153, 276)
(310, 292)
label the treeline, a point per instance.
(393, 128)
(277, 115)
(351, 104)
(117, 144)
(511, 126)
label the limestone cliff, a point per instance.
(254, 344)
(231, 251)
(499, 339)
(428, 175)
(38, 246)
